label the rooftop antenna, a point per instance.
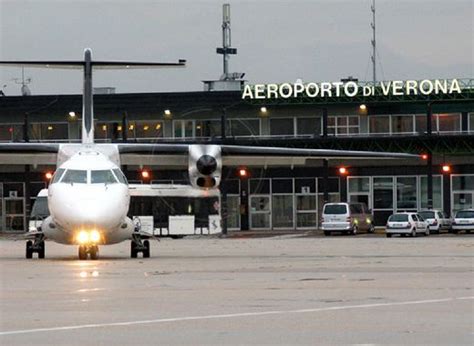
(226, 49)
(25, 91)
(373, 42)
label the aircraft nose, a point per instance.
(96, 206)
(101, 214)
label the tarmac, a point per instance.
(285, 289)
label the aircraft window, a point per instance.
(120, 176)
(103, 177)
(57, 175)
(74, 176)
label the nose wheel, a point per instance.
(138, 245)
(88, 250)
(37, 246)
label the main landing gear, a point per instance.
(91, 250)
(138, 245)
(37, 246)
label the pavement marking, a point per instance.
(243, 314)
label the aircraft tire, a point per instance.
(94, 252)
(133, 250)
(29, 250)
(82, 252)
(354, 231)
(41, 250)
(146, 252)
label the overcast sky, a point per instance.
(277, 41)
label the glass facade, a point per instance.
(379, 124)
(243, 127)
(343, 125)
(462, 192)
(402, 124)
(13, 132)
(309, 126)
(282, 127)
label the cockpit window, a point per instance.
(120, 176)
(103, 177)
(74, 176)
(57, 175)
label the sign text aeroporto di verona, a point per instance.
(350, 89)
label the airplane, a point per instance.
(88, 196)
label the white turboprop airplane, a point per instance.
(88, 196)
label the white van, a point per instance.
(349, 218)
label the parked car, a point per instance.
(347, 218)
(406, 224)
(437, 220)
(463, 221)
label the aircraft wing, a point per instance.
(28, 153)
(176, 155)
(101, 65)
(261, 151)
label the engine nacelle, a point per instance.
(205, 166)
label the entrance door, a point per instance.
(260, 208)
(14, 211)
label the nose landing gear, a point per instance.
(91, 250)
(138, 245)
(37, 246)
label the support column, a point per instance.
(429, 116)
(224, 211)
(223, 124)
(429, 167)
(343, 187)
(244, 205)
(325, 122)
(26, 139)
(124, 127)
(325, 181)
(447, 194)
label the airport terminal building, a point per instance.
(271, 195)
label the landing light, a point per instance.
(145, 174)
(95, 236)
(48, 175)
(363, 107)
(72, 114)
(82, 237)
(446, 168)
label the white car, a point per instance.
(406, 224)
(463, 221)
(437, 220)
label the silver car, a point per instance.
(349, 218)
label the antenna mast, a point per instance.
(374, 75)
(226, 49)
(25, 91)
